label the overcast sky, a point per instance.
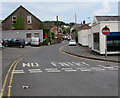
(65, 10)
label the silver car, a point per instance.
(72, 43)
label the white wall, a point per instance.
(89, 39)
(113, 25)
(21, 34)
(83, 37)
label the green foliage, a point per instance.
(65, 30)
(60, 23)
(19, 25)
(76, 35)
(45, 30)
(53, 35)
(46, 42)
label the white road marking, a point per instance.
(63, 64)
(70, 70)
(30, 64)
(34, 64)
(77, 63)
(86, 64)
(53, 71)
(53, 63)
(97, 68)
(67, 68)
(35, 71)
(9, 86)
(70, 63)
(26, 64)
(84, 69)
(18, 71)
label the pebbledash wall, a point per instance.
(83, 37)
(24, 34)
(98, 40)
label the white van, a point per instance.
(35, 41)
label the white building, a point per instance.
(83, 35)
(98, 40)
(23, 34)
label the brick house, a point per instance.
(21, 19)
(22, 24)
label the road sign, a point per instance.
(106, 31)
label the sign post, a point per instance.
(106, 31)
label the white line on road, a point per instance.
(67, 68)
(86, 64)
(70, 70)
(35, 71)
(53, 71)
(83, 69)
(53, 63)
(97, 68)
(18, 71)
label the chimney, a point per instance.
(84, 22)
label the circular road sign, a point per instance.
(105, 31)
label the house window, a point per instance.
(36, 34)
(14, 19)
(29, 20)
(96, 40)
(28, 35)
(113, 42)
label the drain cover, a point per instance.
(25, 87)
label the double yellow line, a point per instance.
(11, 69)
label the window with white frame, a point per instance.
(14, 19)
(29, 20)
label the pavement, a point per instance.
(86, 52)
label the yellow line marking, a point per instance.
(6, 78)
(11, 78)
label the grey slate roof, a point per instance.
(76, 26)
(107, 18)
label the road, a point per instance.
(49, 72)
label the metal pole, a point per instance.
(106, 48)
(75, 18)
(57, 29)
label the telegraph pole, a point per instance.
(75, 18)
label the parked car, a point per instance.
(35, 41)
(5, 41)
(72, 43)
(15, 42)
(1, 43)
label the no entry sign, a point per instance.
(106, 30)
